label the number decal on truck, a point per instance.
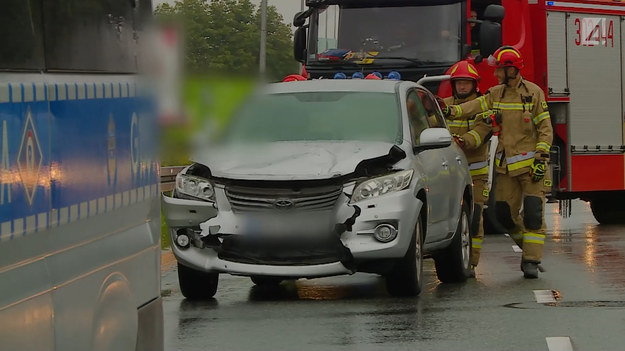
(594, 31)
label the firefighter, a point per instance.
(471, 134)
(524, 143)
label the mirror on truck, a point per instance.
(299, 44)
(490, 30)
(299, 19)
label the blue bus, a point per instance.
(79, 204)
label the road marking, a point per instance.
(544, 296)
(516, 248)
(559, 343)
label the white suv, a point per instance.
(322, 178)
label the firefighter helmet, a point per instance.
(374, 76)
(464, 70)
(506, 56)
(293, 78)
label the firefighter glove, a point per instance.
(537, 171)
(446, 111)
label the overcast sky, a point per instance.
(287, 8)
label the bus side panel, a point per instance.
(79, 218)
(107, 193)
(26, 307)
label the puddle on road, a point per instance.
(617, 304)
(578, 304)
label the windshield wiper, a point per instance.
(413, 60)
(375, 59)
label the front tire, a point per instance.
(452, 263)
(197, 285)
(407, 276)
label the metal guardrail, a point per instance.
(168, 177)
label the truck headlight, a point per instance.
(197, 187)
(374, 187)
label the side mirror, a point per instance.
(490, 37)
(494, 13)
(433, 138)
(299, 44)
(299, 19)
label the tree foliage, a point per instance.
(223, 36)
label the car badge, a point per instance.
(283, 204)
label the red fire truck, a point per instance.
(573, 49)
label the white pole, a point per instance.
(263, 37)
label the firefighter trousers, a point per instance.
(480, 197)
(521, 210)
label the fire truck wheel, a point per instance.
(608, 210)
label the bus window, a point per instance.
(73, 27)
(23, 51)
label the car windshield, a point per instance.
(429, 34)
(311, 116)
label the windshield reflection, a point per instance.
(426, 33)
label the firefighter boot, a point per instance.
(530, 269)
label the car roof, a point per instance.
(343, 85)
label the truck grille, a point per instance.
(244, 199)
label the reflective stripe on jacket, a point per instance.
(525, 123)
(475, 132)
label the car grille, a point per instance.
(245, 199)
(281, 252)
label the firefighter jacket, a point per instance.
(526, 131)
(475, 132)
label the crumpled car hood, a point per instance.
(290, 160)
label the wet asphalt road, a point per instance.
(584, 262)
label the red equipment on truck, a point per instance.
(573, 49)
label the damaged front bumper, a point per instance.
(285, 243)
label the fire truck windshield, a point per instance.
(417, 34)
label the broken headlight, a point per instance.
(374, 187)
(196, 187)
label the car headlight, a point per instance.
(371, 188)
(198, 187)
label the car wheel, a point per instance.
(197, 285)
(452, 263)
(266, 280)
(407, 276)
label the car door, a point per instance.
(434, 163)
(455, 160)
